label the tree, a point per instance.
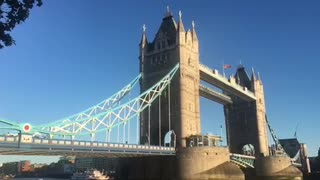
(12, 13)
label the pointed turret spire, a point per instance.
(180, 25)
(168, 13)
(253, 80)
(253, 76)
(144, 28)
(194, 34)
(181, 34)
(238, 78)
(259, 78)
(144, 40)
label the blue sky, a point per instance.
(72, 54)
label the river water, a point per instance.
(283, 178)
(38, 179)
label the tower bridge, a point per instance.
(168, 107)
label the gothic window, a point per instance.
(163, 45)
(190, 107)
(166, 58)
(241, 115)
(189, 84)
(153, 60)
(163, 57)
(190, 63)
(187, 124)
(193, 127)
(158, 45)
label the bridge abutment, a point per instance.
(206, 163)
(276, 166)
(189, 163)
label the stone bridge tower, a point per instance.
(171, 45)
(245, 121)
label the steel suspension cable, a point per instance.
(128, 132)
(149, 139)
(118, 138)
(124, 133)
(138, 129)
(169, 106)
(160, 120)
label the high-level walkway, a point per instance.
(213, 77)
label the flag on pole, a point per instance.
(226, 66)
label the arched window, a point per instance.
(163, 45)
(248, 149)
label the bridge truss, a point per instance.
(107, 116)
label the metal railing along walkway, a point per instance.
(27, 145)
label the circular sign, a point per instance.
(26, 127)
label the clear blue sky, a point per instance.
(72, 54)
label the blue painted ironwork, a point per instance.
(103, 106)
(242, 160)
(115, 116)
(104, 116)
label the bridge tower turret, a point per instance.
(246, 124)
(143, 46)
(257, 88)
(171, 45)
(179, 104)
(188, 55)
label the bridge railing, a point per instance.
(59, 142)
(242, 156)
(243, 160)
(227, 81)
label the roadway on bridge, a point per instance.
(53, 147)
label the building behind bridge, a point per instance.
(297, 152)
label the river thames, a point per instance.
(38, 179)
(282, 178)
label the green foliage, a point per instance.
(13, 12)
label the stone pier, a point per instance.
(276, 167)
(190, 163)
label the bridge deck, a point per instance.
(214, 96)
(242, 160)
(11, 146)
(216, 79)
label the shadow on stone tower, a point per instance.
(171, 45)
(245, 120)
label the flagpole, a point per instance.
(221, 132)
(224, 75)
